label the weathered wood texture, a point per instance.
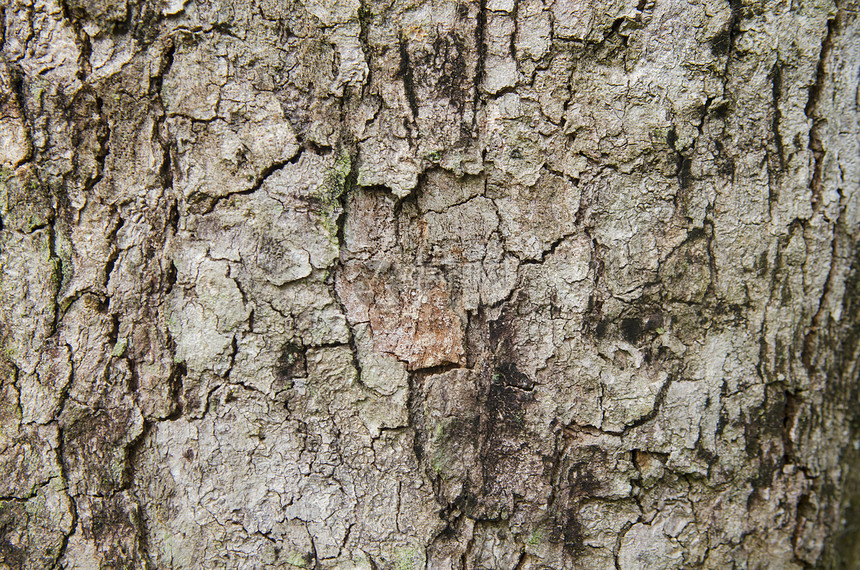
(511, 284)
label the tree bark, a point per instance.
(515, 284)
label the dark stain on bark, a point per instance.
(501, 429)
(684, 166)
(291, 362)
(510, 376)
(633, 328)
(601, 328)
(507, 396)
(581, 481)
(95, 461)
(12, 516)
(501, 333)
(725, 163)
(144, 19)
(484, 441)
(90, 135)
(575, 483)
(573, 533)
(114, 529)
(672, 137)
(444, 70)
(839, 372)
(721, 43)
(481, 43)
(406, 75)
(764, 433)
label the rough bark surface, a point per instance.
(509, 284)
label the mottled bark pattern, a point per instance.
(512, 284)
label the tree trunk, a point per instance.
(511, 284)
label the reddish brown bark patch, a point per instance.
(410, 312)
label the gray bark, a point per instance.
(511, 284)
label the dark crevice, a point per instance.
(658, 404)
(317, 149)
(821, 72)
(115, 251)
(776, 79)
(789, 419)
(548, 251)
(480, 66)
(615, 29)
(817, 148)
(175, 382)
(708, 226)
(438, 369)
(72, 17)
(515, 34)
(64, 474)
(166, 170)
(811, 110)
(726, 44)
(347, 187)
(156, 82)
(413, 405)
(258, 183)
(684, 166)
(234, 351)
(405, 74)
(131, 451)
(365, 17)
(2, 28)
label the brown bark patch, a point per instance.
(411, 313)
